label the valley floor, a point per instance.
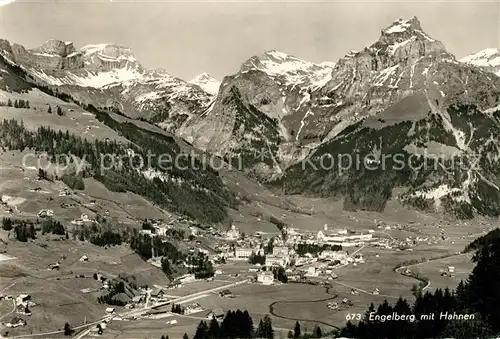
(59, 298)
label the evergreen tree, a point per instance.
(268, 327)
(290, 335)
(317, 332)
(49, 110)
(67, 329)
(201, 331)
(165, 266)
(59, 111)
(213, 329)
(260, 332)
(247, 325)
(185, 336)
(296, 330)
(16, 104)
(6, 224)
(27, 104)
(9, 103)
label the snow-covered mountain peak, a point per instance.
(405, 31)
(401, 26)
(289, 69)
(487, 59)
(109, 56)
(206, 82)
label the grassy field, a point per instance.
(57, 293)
(75, 119)
(21, 181)
(463, 267)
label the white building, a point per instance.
(148, 232)
(281, 251)
(243, 253)
(333, 255)
(265, 278)
(193, 308)
(311, 272)
(233, 233)
(22, 298)
(273, 261)
(341, 238)
(161, 230)
(187, 278)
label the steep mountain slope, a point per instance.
(261, 110)
(108, 75)
(407, 109)
(123, 156)
(488, 59)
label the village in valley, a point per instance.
(324, 270)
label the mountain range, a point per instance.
(403, 95)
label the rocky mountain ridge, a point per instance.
(423, 129)
(109, 76)
(278, 111)
(487, 59)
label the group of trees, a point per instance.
(115, 287)
(314, 249)
(58, 110)
(103, 233)
(176, 308)
(7, 224)
(107, 237)
(188, 187)
(148, 246)
(23, 230)
(73, 181)
(17, 103)
(52, 226)
(236, 324)
(297, 332)
(478, 296)
(256, 258)
(200, 266)
(280, 274)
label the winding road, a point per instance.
(135, 312)
(319, 322)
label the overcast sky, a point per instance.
(187, 38)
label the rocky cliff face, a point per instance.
(412, 120)
(109, 75)
(261, 109)
(311, 103)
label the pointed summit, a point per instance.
(206, 82)
(401, 26)
(402, 30)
